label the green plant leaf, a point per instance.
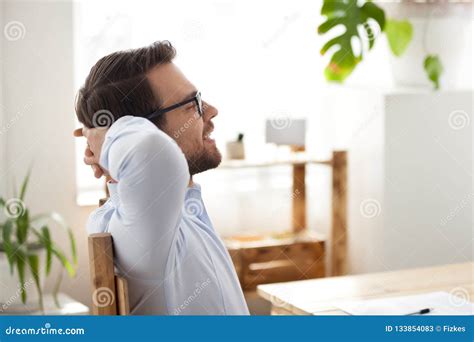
(434, 69)
(20, 263)
(399, 34)
(352, 16)
(64, 261)
(33, 262)
(42, 219)
(46, 237)
(56, 289)
(2, 202)
(22, 226)
(24, 185)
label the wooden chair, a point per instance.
(109, 291)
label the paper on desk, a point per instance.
(441, 303)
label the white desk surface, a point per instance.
(316, 296)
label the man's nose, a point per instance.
(209, 111)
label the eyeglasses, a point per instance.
(196, 98)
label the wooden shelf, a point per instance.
(271, 240)
(298, 254)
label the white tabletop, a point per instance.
(318, 296)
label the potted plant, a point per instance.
(26, 248)
(364, 22)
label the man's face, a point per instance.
(183, 124)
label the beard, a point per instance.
(203, 160)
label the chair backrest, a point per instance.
(109, 291)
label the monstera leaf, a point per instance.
(355, 17)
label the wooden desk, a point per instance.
(316, 296)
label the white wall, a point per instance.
(2, 135)
(38, 103)
(410, 175)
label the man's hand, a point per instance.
(95, 139)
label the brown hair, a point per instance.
(117, 85)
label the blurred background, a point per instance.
(408, 144)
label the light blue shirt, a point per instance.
(164, 242)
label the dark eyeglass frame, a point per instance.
(196, 98)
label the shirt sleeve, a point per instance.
(152, 176)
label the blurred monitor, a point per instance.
(285, 131)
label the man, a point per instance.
(156, 137)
